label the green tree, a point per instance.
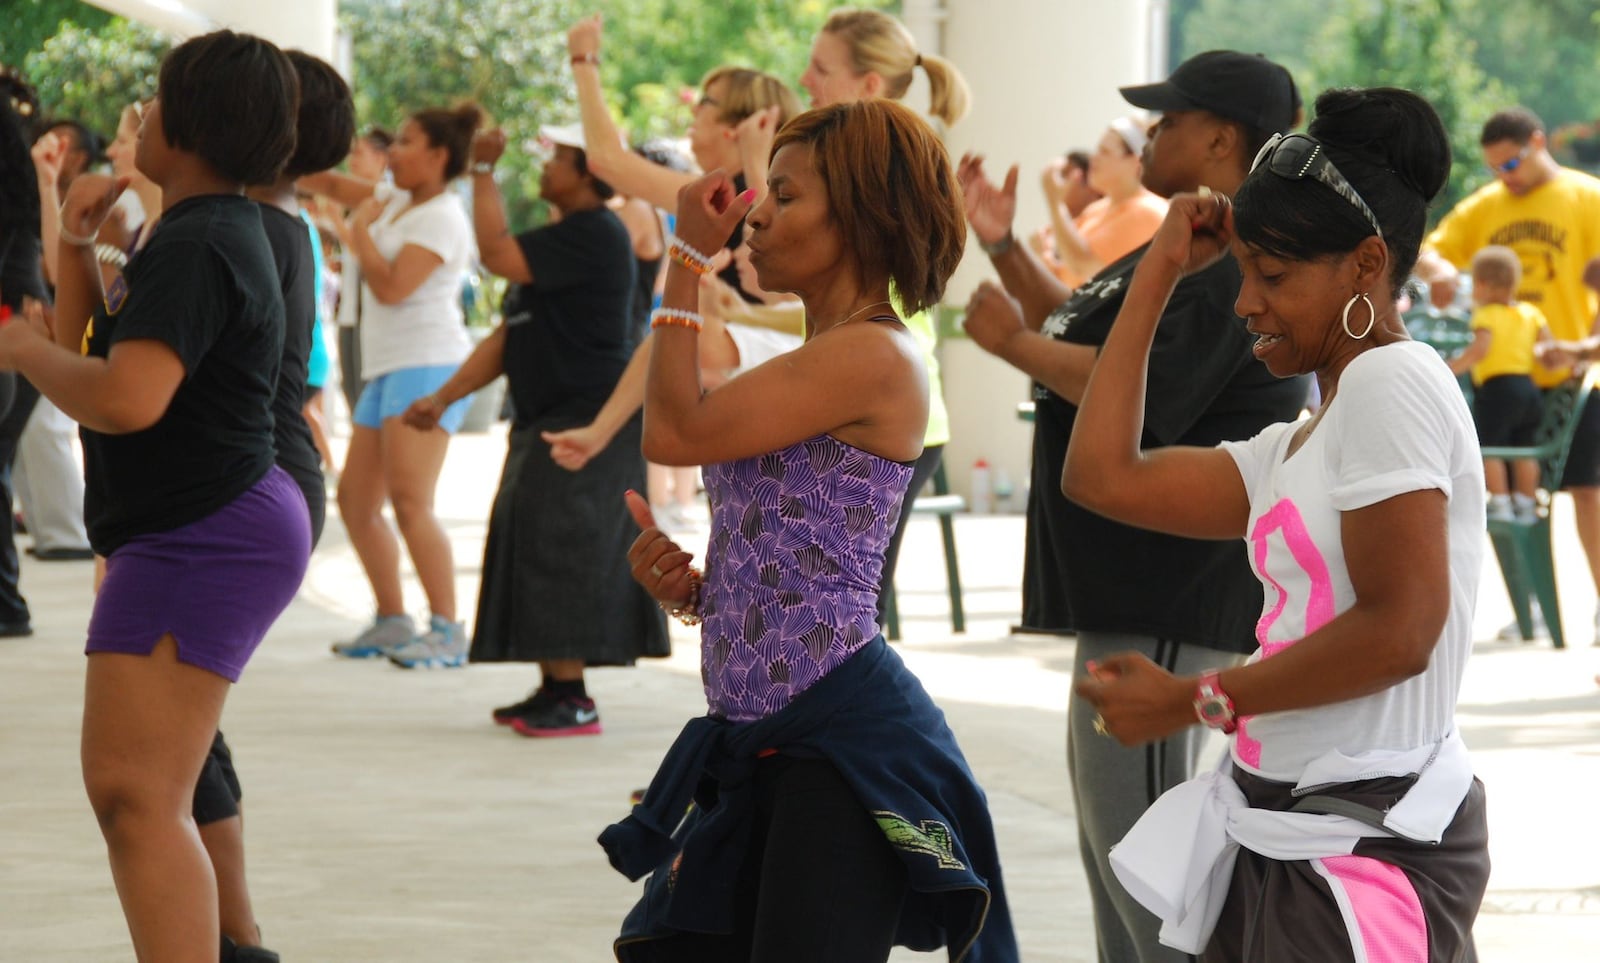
(509, 56)
(29, 23)
(1418, 45)
(91, 72)
(1423, 45)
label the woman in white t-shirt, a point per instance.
(1346, 817)
(413, 241)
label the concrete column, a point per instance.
(308, 25)
(1044, 77)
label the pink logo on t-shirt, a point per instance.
(1284, 518)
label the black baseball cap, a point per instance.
(1247, 88)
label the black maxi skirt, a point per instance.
(556, 583)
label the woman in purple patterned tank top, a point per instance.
(806, 461)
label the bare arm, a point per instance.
(497, 248)
(347, 189)
(391, 281)
(607, 157)
(994, 321)
(1193, 492)
(990, 212)
(853, 381)
(1474, 352)
(1398, 558)
(125, 392)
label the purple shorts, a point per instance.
(216, 585)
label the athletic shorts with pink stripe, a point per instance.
(1389, 901)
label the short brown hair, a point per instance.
(891, 193)
(1497, 265)
(451, 129)
(748, 91)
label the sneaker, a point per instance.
(234, 953)
(565, 717)
(1524, 509)
(443, 646)
(1512, 633)
(384, 635)
(536, 700)
(1499, 508)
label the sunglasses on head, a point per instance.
(1513, 162)
(1298, 156)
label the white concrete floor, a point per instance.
(389, 821)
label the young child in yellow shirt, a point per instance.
(1506, 403)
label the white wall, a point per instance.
(1044, 77)
(304, 24)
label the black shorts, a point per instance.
(1583, 459)
(217, 794)
(1507, 410)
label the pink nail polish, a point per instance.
(748, 196)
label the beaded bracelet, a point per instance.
(689, 257)
(689, 612)
(676, 318)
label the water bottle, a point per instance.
(1003, 490)
(982, 502)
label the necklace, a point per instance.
(860, 311)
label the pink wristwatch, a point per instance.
(1212, 705)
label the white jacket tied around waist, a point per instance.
(1177, 861)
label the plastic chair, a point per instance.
(1523, 544)
(945, 505)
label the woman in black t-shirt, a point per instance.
(566, 339)
(171, 373)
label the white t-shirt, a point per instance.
(426, 328)
(1397, 424)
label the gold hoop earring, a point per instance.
(1372, 316)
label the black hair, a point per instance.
(229, 98)
(581, 161)
(1078, 159)
(326, 119)
(91, 143)
(1516, 124)
(380, 137)
(451, 128)
(19, 188)
(1390, 145)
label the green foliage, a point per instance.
(1429, 46)
(507, 55)
(90, 73)
(1418, 45)
(657, 49)
(29, 23)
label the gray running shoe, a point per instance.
(384, 635)
(443, 646)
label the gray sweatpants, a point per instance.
(1112, 786)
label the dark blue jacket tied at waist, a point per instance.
(872, 721)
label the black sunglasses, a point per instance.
(1298, 156)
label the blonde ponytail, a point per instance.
(880, 44)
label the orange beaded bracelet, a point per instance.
(676, 318)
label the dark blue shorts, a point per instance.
(216, 585)
(1507, 410)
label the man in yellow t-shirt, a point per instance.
(1550, 216)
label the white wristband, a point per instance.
(67, 237)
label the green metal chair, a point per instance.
(1522, 544)
(945, 505)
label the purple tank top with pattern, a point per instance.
(792, 570)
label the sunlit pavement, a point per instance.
(389, 820)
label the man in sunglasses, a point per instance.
(1549, 215)
(1187, 604)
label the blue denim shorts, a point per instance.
(390, 394)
